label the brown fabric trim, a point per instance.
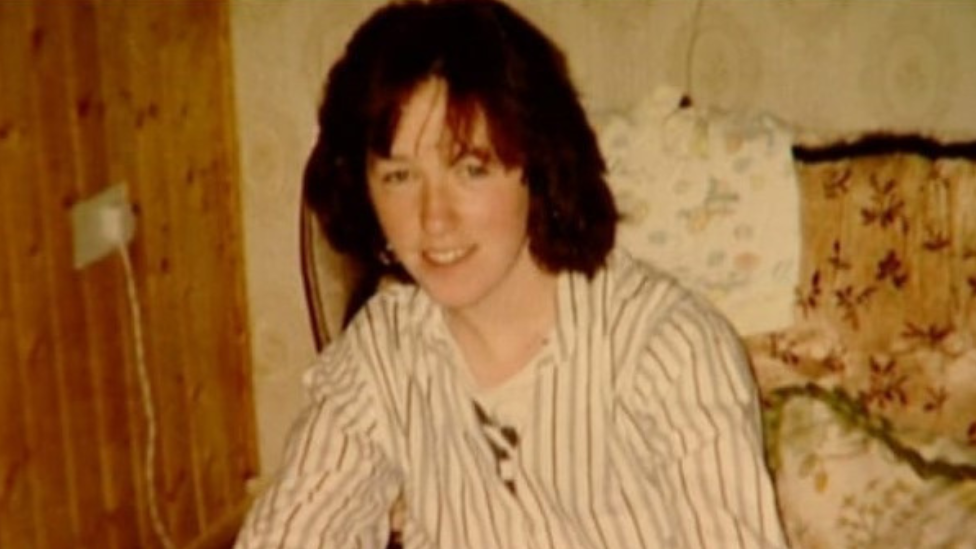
(884, 143)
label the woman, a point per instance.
(519, 382)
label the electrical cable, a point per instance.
(145, 387)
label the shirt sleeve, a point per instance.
(694, 392)
(337, 483)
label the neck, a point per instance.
(498, 339)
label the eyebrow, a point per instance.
(485, 153)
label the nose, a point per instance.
(437, 208)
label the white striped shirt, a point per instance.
(636, 426)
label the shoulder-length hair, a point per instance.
(494, 62)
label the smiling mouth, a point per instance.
(447, 257)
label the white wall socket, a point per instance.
(100, 224)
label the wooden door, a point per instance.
(95, 93)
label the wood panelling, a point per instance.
(95, 93)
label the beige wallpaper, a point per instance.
(826, 68)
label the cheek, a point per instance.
(512, 212)
(396, 217)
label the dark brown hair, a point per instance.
(493, 61)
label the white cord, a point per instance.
(148, 406)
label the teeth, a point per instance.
(444, 257)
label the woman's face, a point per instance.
(453, 214)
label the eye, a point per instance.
(472, 167)
(391, 173)
(395, 176)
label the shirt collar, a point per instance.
(427, 317)
(569, 291)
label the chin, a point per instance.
(452, 294)
(450, 298)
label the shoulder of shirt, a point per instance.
(633, 278)
(397, 309)
(402, 303)
(630, 279)
(393, 315)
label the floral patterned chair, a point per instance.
(871, 393)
